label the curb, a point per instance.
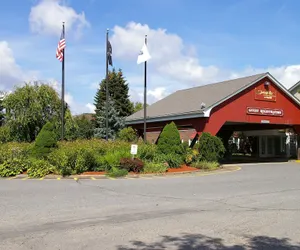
(222, 169)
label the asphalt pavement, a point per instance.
(257, 207)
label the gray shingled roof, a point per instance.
(189, 101)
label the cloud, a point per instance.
(75, 107)
(47, 16)
(175, 64)
(170, 56)
(90, 107)
(287, 75)
(11, 73)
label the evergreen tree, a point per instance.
(169, 140)
(115, 121)
(45, 141)
(118, 92)
(1, 109)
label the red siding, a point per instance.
(235, 109)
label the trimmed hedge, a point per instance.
(45, 141)
(211, 148)
(169, 140)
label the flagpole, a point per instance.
(145, 96)
(63, 89)
(106, 82)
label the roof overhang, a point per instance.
(294, 86)
(207, 111)
(167, 118)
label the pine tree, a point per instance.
(1, 109)
(115, 122)
(118, 92)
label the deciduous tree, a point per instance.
(29, 108)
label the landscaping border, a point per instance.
(222, 169)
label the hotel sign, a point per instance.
(265, 95)
(264, 111)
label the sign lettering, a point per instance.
(264, 111)
(265, 95)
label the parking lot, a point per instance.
(257, 207)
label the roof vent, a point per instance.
(203, 105)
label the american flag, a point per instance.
(61, 46)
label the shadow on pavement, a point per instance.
(198, 241)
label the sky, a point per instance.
(191, 43)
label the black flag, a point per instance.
(109, 53)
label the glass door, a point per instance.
(267, 146)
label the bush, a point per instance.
(40, 168)
(115, 172)
(62, 162)
(45, 141)
(132, 165)
(173, 160)
(128, 134)
(88, 155)
(170, 160)
(5, 135)
(211, 148)
(153, 167)
(147, 151)
(205, 165)
(13, 167)
(189, 154)
(169, 140)
(14, 150)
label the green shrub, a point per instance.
(132, 165)
(13, 167)
(211, 148)
(88, 155)
(169, 140)
(14, 150)
(205, 165)
(154, 167)
(128, 134)
(5, 135)
(60, 160)
(147, 151)
(45, 141)
(40, 168)
(173, 160)
(189, 154)
(112, 158)
(116, 172)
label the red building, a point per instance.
(259, 106)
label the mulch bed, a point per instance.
(93, 173)
(183, 168)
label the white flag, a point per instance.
(144, 55)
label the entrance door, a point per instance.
(267, 146)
